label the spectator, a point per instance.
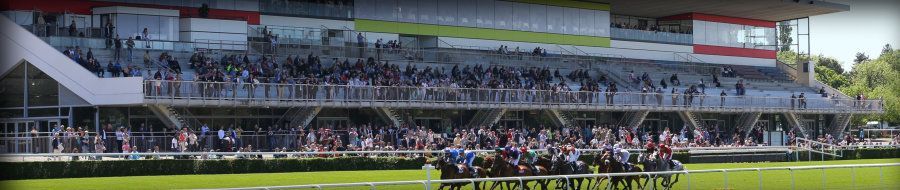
(118, 45)
(130, 45)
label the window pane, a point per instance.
(572, 21)
(42, 90)
(447, 12)
(407, 10)
(485, 14)
(126, 25)
(538, 18)
(151, 23)
(386, 10)
(503, 15)
(602, 23)
(555, 22)
(427, 11)
(466, 12)
(13, 89)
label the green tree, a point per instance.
(877, 79)
(887, 49)
(784, 36)
(830, 63)
(831, 77)
(860, 58)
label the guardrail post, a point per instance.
(792, 178)
(759, 178)
(474, 186)
(853, 176)
(521, 185)
(427, 168)
(823, 178)
(567, 182)
(725, 174)
(688, 174)
(372, 185)
(608, 183)
(319, 187)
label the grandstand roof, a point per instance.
(769, 10)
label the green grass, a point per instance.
(868, 178)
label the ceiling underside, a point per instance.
(769, 10)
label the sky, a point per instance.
(865, 28)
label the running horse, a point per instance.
(561, 167)
(608, 164)
(500, 168)
(450, 170)
(652, 163)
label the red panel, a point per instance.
(84, 7)
(732, 51)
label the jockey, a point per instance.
(665, 153)
(514, 155)
(572, 156)
(469, 158)
(622, 155)
(530, 158)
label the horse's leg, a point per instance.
(441, 187)
(672, 184)
(494, 185)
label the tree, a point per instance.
(831, 77)
(830, 63)
(887, 49)
(877, 79)
(784, 36)
(860, 58)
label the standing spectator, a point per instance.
(722, 99)
(130, 45)
(145, 35)
(793, 100)
(72, 28)
(118, 45)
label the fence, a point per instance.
(211, 155)
(428, 184)
(240, 93)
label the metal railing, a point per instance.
(651, 36)
(760, 182)
(243, 93)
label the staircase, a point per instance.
(839, 123)
(171, 117)
(747, 121)
(299, 116)
(794, 120)
(391, 116)
(690, 119)
(633, 119)
(486, 118)
(561, 118)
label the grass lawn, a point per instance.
(868, 178)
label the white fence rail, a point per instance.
(427, 184)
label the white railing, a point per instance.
(427, 184)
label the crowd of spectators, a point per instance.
(654, 28)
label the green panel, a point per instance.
(568, 3)
(479, 33)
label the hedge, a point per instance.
(867, 153)
(72, 169)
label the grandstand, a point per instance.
(510, 65)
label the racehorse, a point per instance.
(449, 170)
(561, 167)
(500, 168)
(608, 164)
(652, 163)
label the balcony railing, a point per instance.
(160, 91)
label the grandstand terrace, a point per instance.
(271, 72)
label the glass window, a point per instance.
(538, 18)
(364, 9)
(503, 15)
(386, 10)
(427, 11)
(447, 12)
(466, 12)
(485, 17)
(126, 25)
(42, 90)
(522, 17)
(587, 22)
(699, 32)
(13, 89)
(572, 21)
(602, 23)
(407, 10)
(555, 22)
(151, 23)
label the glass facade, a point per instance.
(489, 14)
(340, 9)
(734, 35)
(159, 27)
